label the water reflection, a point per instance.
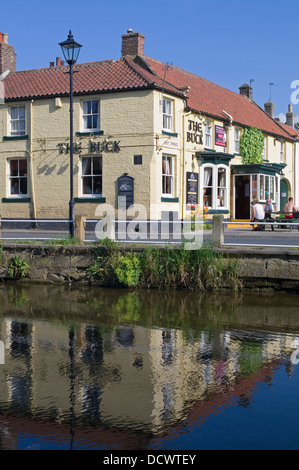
(108, 369)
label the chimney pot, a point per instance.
(290, 117)
(246, 90)
(132, 44)
(269, 108)
(7, 55)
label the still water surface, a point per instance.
(120, 370)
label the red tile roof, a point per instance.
(143, 73)
(88, 78)
(209, 98)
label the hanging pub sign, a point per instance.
(192, 190)
(220, 136)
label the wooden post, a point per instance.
(80, 228)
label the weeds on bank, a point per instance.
(165, 268)
(17, 268)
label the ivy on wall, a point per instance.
(251, 145)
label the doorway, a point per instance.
(242, 197)
(284, 193)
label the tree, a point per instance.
(251, 145)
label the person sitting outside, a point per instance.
(289, 209)
(269, 209)
(257, 214)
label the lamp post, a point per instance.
(70, 49)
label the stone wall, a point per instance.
(59, 264)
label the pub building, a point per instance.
(163, 137)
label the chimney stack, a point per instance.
(269, 108)
(246, 90)
(290, 117)
(7, 55)
(132, 43)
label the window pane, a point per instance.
(222, 177)
(86, 166)
(97, 166)
(95, 107)
(15, 189)
(23, 185)
(23, 167)
(14, 113)
(14, 167)
(262, 188)
(87, 185)
(267, 187)
(21, 112)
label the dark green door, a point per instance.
(284, 196)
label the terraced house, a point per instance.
(159, 135)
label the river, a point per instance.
(92, 368)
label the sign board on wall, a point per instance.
(192, 190)
(220, 136)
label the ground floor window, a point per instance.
(215, 186)
(167, 175)
(267, 187)
(17, 177)
(91, 176)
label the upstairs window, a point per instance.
(18, 177)
(17, 120)
(167, 115)
(282, 152)
(91, 115)
(237, 140)
(208, 134)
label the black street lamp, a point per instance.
(70, 49)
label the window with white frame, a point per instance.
(90, 115)
(17, 120)
(215, 186)
(91, 176)
(264, 150)
(282, 152)
(167, 115)
(17, 185)
(237, 140)
(208, 134)
(267, 187)
(167, 176)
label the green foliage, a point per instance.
(128, 270)
(251, 146)
(17, 268)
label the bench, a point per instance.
(290, 222)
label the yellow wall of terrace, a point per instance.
(126, 118)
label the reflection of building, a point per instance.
(142, 127)
(129, 378)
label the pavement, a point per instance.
(233, 236)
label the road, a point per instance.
(232, 236)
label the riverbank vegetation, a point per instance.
(167, 267)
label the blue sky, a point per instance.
(228, 42)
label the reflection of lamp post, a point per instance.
(71, 49)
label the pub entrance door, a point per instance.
(242, 197)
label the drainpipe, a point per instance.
(31, 163)
(183, 164)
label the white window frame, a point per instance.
(264, 154)
(17, 179)
(214, 187)
(86, 115)
(168, 106)
(282, 152)
(22, 130)
(208, 134)
(171, 161)
(93, 176)
(237, 135)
